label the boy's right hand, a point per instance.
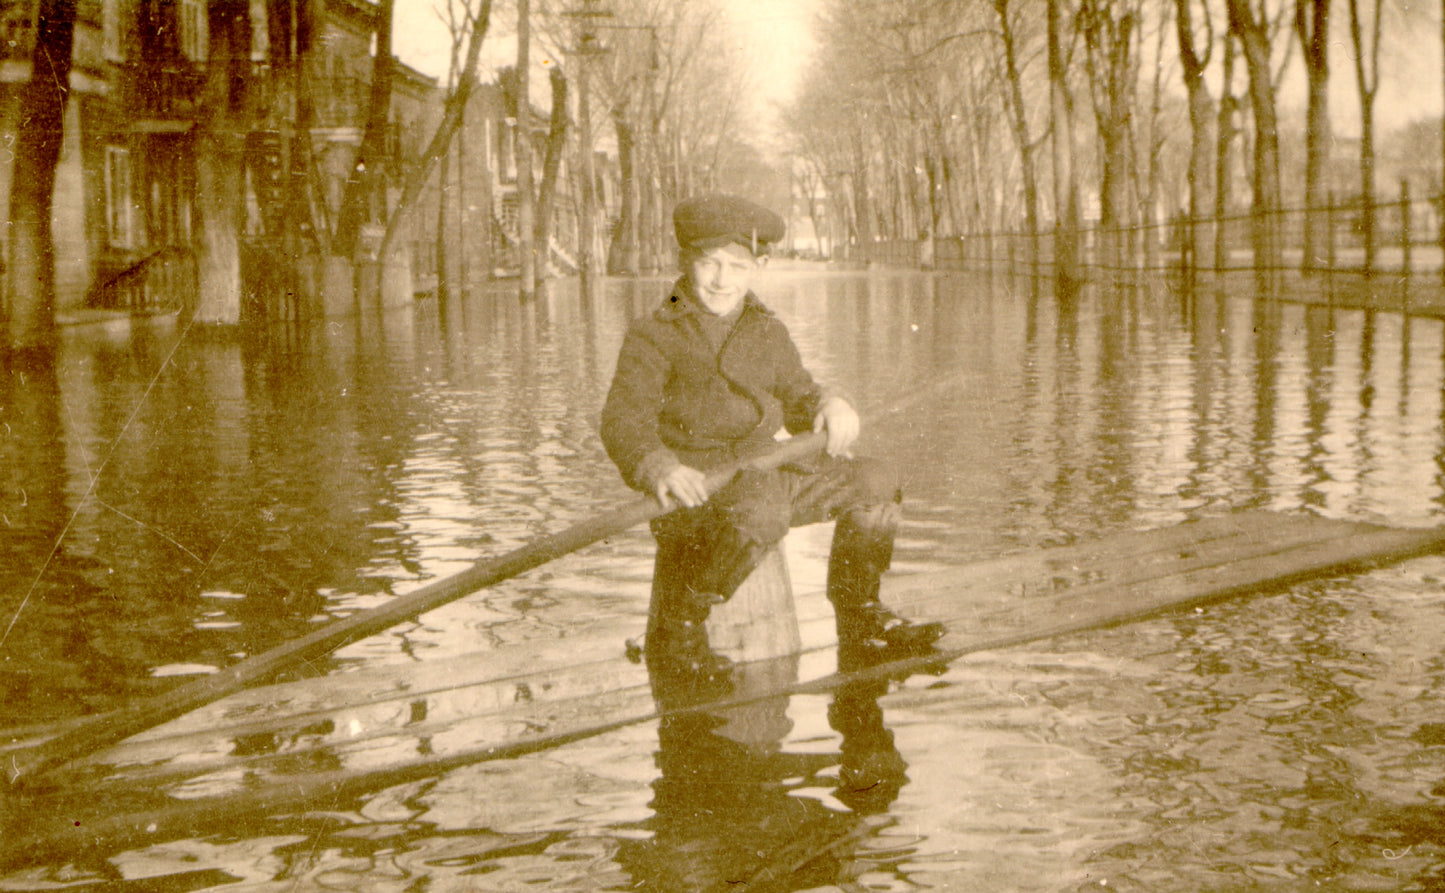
(683, 484)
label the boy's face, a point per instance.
(721, 276)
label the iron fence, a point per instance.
(1407, 239)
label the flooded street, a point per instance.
(174, 500)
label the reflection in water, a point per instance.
(734, 810)
(174, 500)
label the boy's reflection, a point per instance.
(733, 810)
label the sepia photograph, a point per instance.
(993, 446)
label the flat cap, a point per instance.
(714, 219)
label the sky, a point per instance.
(775, 35)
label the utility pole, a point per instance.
(587, 47)
(526, 209)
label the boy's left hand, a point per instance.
(840, 421)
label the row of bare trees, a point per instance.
(932, 117)
(669, 90)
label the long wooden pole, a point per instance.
(27, 766)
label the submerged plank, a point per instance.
(281, 747)
(1195, 579)
(1119, 557)
(1125, 576)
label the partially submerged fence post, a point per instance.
(1330, 246)
(1405, 240)
(1440, 228)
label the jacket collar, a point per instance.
(680, 303)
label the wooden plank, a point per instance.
(1120, 556)
(421, 700)
(1352, 548)
(486, 718)
(384, 701)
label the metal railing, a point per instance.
(1407, 238)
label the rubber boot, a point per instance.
(868, 633)
(678, 653)
(731, 556)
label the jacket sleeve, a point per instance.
(794, 386)
(631, 414)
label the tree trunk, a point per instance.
(1109, 43)
(446, 130)
(526, 194)
(1312, 28)
(622, 257)
(1148, 206)
(1201, 176)
(1367, 78)
(366, 176)
(443, 262)
(220, 175)
(552, 163)
(865, 220)
(1254, 40)
(587, 221)
(1067, 273)
(31, 324)
(1018, 118)
(1225, 134)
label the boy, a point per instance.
(709, 378)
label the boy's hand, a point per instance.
(687, 485)
(840, 422)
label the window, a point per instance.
(17, 30)
(508, 150)
(110, 26)
(488, 138)
(260, 31)
(119, 208)
(193, 29)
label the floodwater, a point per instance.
(174, 500)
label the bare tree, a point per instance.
(1367, 79)
(1109, 30)
(526, 194)
(1251, 28)
(1311, 24)
(1149, 201)
(1200, 176)
(1066, 188)
(457, 16)
(1018, 115)
(38, 143)
(1225, 133)
(441, 139)
(551, 163)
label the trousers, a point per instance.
(716, 545)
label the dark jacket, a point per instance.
(674, 399)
